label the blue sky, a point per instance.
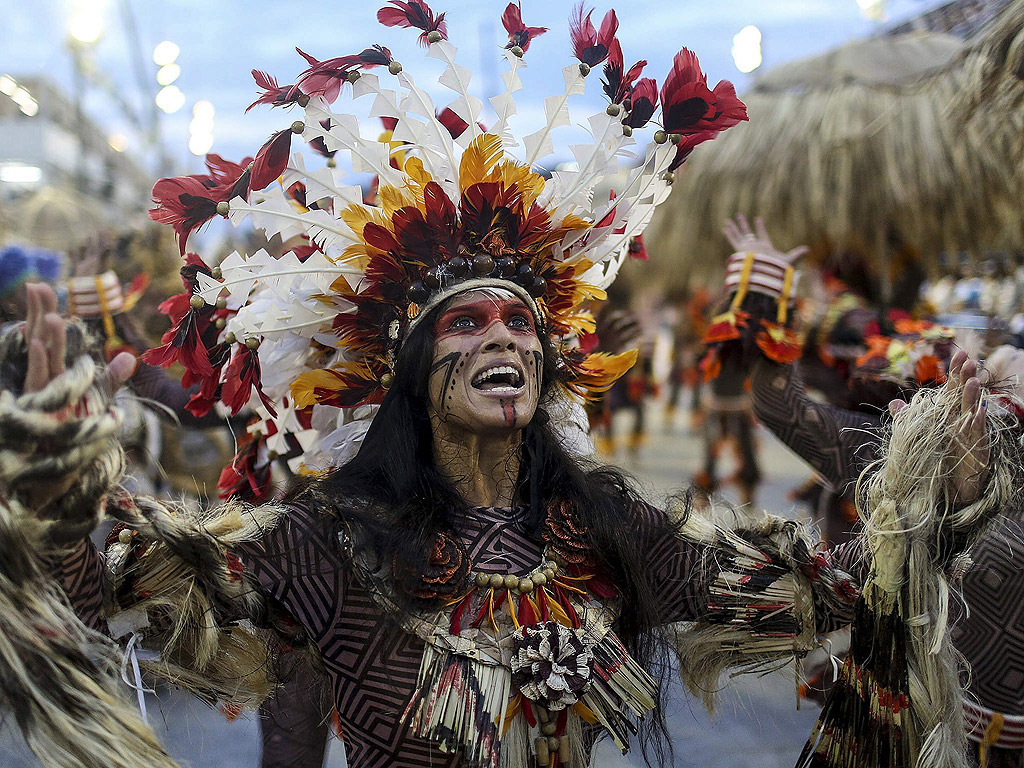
(221, 40)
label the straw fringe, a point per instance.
(193, 599)
(58, 677)
(902, 693)
(843, 168)
(761, 610)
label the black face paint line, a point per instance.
(538, 362)
(449, 360)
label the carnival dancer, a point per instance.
(477, 595)
(841, 444)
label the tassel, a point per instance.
(459, 703)
(619, 684)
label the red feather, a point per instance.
(687, 145)
(224, 171)
(527, 615)
(637, 250)
(185, 203)
(184, 344)
(241, 376)
(243, 478)
(374, 56)
(643, 100)
(271, 160)
(442, 219)
(589, 45)
(232, 179)
(688, 106)
(415, 14)
(518, 33)
(319, 145)
(176, 306)
(273, 94)
(323, 78)
(456, 125)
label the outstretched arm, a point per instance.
(838, 443)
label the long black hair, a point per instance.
(396, 494)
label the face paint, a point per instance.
(486, 372)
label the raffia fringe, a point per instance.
(59, 678)
(917, 536)
(761, 608)
(193, 599)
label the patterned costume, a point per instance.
(840, 445)
(474, 640)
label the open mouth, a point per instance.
(499, 378)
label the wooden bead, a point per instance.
(549, 574)
(197, 301)
(552, 743)
(563, 750)
(482, 579)
(548, 729)
(511, 582)
(543, 753)
(526, 586)
(539, 579)
(543, 715)
(497, 580)
(125, 536)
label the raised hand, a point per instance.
(742, 238)
(45, 339)
(969, 446)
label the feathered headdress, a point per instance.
(457, 206)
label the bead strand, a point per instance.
(540, 576)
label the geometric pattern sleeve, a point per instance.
(679, 570)
(301, 564)
(839, 444)
(80, 572)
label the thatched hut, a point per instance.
(855, 149)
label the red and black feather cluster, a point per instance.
(518, 33)
(186, 203)
(326, 78)
(690, 108)
(185, 343)
(590, 45)
(248, 475)
(273, 94)
(414, 14)
(638, 96)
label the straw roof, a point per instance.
(57, 218)
(847, 148)
(994, 67)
